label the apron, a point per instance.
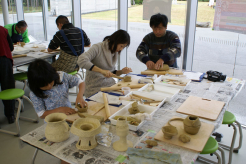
(16, 37)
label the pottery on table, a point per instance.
(192, 124)
(86, 129)
(57, 130)
(169, 131)
(122, 131)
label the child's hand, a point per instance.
(81, 101)
(68, 111)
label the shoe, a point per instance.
(11, 119)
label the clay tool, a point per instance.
(18, 56)
(119, 87)
(105, 99)
(125, 78)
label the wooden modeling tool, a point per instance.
(105, 99)
(119, 87)
(18, 56)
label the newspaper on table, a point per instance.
(67, 151)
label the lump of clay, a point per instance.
(184, 138)
(165, 67)
(85, 115)
(132, 121)
(81, 109)
(151, 142)
(127, 79)
(134, 109)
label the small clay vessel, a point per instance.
(86, 129)
(169, 131)
(122, 131)
(134, 109)
(57, 130)
(192, 124)
(127, 79)
(81, 109)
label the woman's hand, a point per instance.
(126, 70)
(80, 100)
(107, 73)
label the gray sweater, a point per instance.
(98, 55)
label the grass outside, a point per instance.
(178, 14)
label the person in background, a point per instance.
(71, 41)
(18, 32)
(100, 60)
(160, 46)
(6, 72)
(49, 89)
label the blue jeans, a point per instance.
(7, 82)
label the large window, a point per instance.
(99, 18)
(33, 17)
(138, 25)
(56, 8)
(222, 51)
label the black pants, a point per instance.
(7, 82)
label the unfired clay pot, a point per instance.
(122, 130)
(169, 131)
(57, 130)
(86, 129)
(192, 124)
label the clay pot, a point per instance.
(169, 131)
(86, 129)
(192, 124)
(122, 130)
(57, 130)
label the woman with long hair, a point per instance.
(100, 61)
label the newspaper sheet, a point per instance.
(67, 151)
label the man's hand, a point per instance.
(159, 64)
(106, 73)
(150, 64)
(126, 70)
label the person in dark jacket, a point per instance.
(71, 41)
(160, 46)
(6, 72)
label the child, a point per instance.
(49, 89)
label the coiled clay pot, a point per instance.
(192, 124)
(57, 130)
(122, 130)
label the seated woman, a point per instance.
(100, 62)
(49, 89)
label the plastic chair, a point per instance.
(210, 148)
(75, 73)
(230, 119)
(10, 94)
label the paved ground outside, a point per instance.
(214, 50)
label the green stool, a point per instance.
(230, 119)
(210, 148)
(21, 77)
(10, 94)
